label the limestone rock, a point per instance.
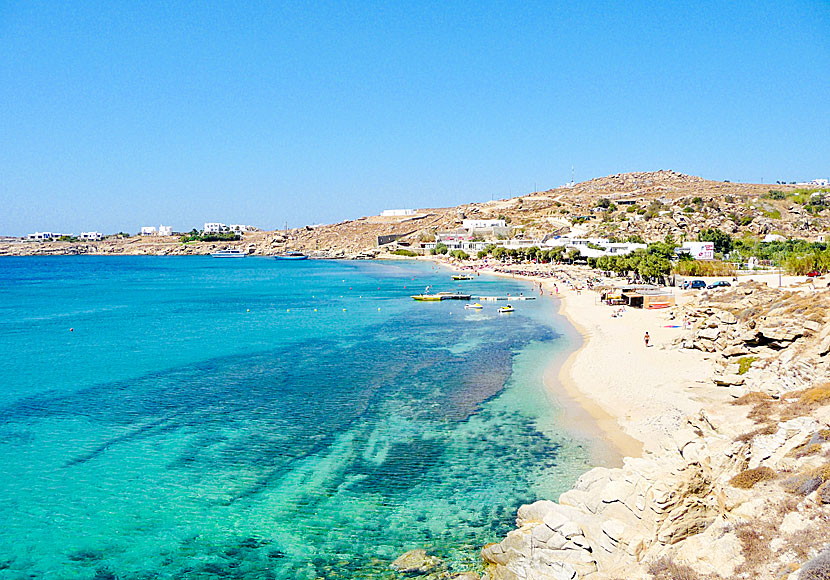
(534, 512)
(730, 380)
(416, 562)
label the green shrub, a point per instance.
(744, 363)
(704, 268)
(196, 237)
(404, 252)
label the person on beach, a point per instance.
(646, 339)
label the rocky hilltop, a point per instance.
(646, 204)
(741, 490)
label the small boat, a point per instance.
(475, 306)
(427, 297)
(441, 296)
(229, 253)
(462, 277)
(505, 309)
(291, 256)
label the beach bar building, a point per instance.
(646, 296)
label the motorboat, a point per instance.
(462, 277)
(505, 309)
(426, 297)
(291, 256)
(475, 306)
(229, 253)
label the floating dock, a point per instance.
(494, 298)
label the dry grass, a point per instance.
(807, 481)
(755, 537)
(753, 398)
(666, 569)
(765, 409)
(813, 446)
(749, 477)
(763, 430)
(801, 403)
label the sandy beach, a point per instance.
(613, 387)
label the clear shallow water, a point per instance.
(257, 419)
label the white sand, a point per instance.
(637, 394)
(631, 396)
(615, 388)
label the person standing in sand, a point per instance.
(646, 339)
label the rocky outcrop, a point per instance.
(696, 500)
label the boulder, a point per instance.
(735, 350)
(534, 512)
(730, 380)
(416, 562)
(709, 333)
(781, 333)
(727, 317)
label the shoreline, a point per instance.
(585, 407)
(578, 414)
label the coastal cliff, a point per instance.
(739, 489)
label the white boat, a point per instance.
(505, 309)
(475, 306)
(229, 253)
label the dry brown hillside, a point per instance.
(647, 204)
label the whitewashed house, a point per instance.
(148, 231)
(91, 236)
(42, 236)
(482, 224)
(215, 228)
(165, 230)
(397, 212)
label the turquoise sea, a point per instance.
(190, 417)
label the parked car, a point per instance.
(697, 284)
(813, 274)
(718, 284)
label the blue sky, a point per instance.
(115, 114)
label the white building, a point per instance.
(42, 236)
(91, 236)
(468, 246)
(148, 231)
(397, 212)
(165, 230)
(215, 228)
(482, 224)
(240, 228)
(698, 250)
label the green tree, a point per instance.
(722, 240)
